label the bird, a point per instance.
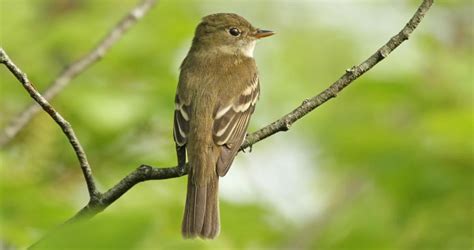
(217, 91)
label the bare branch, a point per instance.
(308, 105)
(77, 67)
(65, 125)
(141, 174)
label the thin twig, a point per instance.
(76, 68)
(65, 125)
(308, 105)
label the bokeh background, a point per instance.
(388, 164)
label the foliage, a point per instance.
(389, 161)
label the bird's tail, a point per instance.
(201, 213)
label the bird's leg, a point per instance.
(181, 154)
(250, 148)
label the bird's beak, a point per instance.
(263, 33)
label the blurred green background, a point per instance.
(386, 165)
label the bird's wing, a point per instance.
(230, 124)
(181, 121)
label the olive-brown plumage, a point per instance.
(217, 91)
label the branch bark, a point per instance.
(65, 125)
(100, 201)
(308, 105)
(64, 78)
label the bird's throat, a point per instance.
(246, 50)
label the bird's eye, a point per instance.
(234, 31)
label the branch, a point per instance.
(100, 201)
(308, 105)
(65, 125)
(141, 174)
(76, 68)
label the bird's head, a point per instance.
(227, 33)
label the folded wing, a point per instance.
(230, 124)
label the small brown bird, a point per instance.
(216, 95)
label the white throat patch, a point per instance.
(245, 50)
(248, 50)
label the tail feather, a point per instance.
(211, 221)
(201, 213)
(187, 220)
(200, 198)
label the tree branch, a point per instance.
(308, 105)
(65, 125)
(76, 68)
(100, 201)
(141, 174)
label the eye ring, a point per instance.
(234, 31)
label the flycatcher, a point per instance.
(217, 91)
